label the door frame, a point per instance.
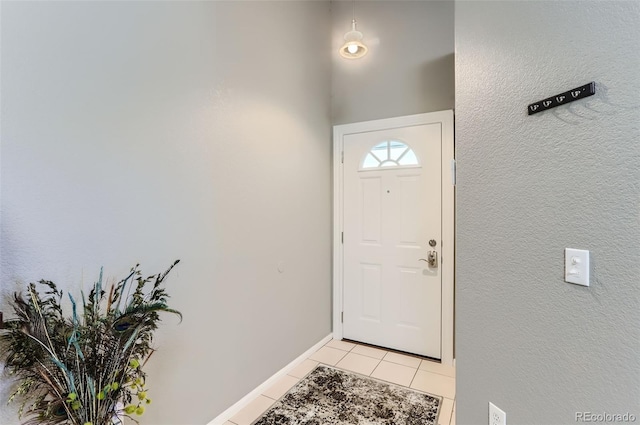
(448, 219)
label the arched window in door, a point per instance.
(390, 153)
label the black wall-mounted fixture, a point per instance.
(562, 98)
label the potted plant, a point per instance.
(85, 369)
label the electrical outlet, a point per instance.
(496, 415)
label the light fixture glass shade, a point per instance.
(353, 47)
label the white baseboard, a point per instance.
(244, 401)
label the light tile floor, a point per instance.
(400, 369)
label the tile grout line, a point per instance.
(346, 369)
(450, 413)
(440, 375)
(348, 351)
(401, 364)
(453, 409)
(376, 366)
(371, 357)
(413, 378)
(437, 373)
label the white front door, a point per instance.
(392, 221)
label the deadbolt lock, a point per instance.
(432, 243)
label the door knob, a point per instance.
(432, 259)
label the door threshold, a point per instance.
(392, 350)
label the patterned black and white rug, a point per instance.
(328, 396)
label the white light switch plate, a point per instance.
(576, 266)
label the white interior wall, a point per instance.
(151, 131)
(530, 186)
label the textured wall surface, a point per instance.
(409, 68)
(150, 131)
(528, 187)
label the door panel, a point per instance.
(392, 208)
(370, 209)
(409, 206)
(370, 284)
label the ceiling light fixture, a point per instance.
(353, 48)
